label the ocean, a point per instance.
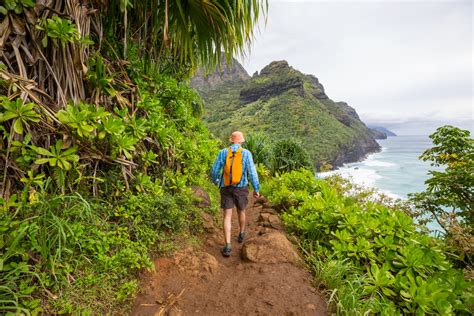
(396, 170)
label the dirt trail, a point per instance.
(265, 278)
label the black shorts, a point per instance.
(233, 196)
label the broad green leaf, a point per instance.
(9, 115)
(10, 4)
(69, 151)
(58, 146)
(41, 151)
(66, 164)
(87, 127)
(41, 161)
(53, 162)
(18, 127)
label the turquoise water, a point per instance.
(396, 170)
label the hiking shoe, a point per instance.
(241, 237)
(226, 251)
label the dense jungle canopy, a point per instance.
(101, 141)
(78, 61)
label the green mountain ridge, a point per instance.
(284, 103)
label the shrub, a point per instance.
(373, 258)
(130, 171)
(288, 155)
(258, 145)
(449, 193)
(79, 250)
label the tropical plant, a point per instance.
(288, 155)
(370, 257)
(82, 118)
(56, 156)
(173, 35)
(258, 145)
(103, 140)
(192, 32)
(99, 77)
(16, 6)
(125, 145)
(21, 113)
(59, 29)
(449, 194)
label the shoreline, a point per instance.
(394, 170)
(365, 177)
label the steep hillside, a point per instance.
(286, 103)
(234, 74)
(377, 134)
(383, 130)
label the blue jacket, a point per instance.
(248, 169)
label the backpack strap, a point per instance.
(229, 150)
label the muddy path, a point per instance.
(263, 276)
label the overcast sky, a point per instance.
(405, 64)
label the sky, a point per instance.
(406, 65)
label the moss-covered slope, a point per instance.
(285, 103)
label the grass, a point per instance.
(80, 255)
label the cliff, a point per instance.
(232, 73)
(285, 103)
(379, 130)
(377, 134)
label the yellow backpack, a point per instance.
(233, 167)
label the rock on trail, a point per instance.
(263, 276)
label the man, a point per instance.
(231, 171)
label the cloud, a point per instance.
(385, 58)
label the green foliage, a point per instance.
(258, 145)
(288, 155)
(371, 257)
(83, 119)
(63, 245)
(449, 194)
(450, 191)
(163, 133)
(58, 29)
(187, 31)
(21, 113)
(16, 6)
(99, 76)
(125, 145)
(89, 247)
(112, 126)
(56, 156)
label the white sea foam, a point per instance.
(362, 176)
(378, 163)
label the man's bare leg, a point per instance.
(241, 220)
(227, 213)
